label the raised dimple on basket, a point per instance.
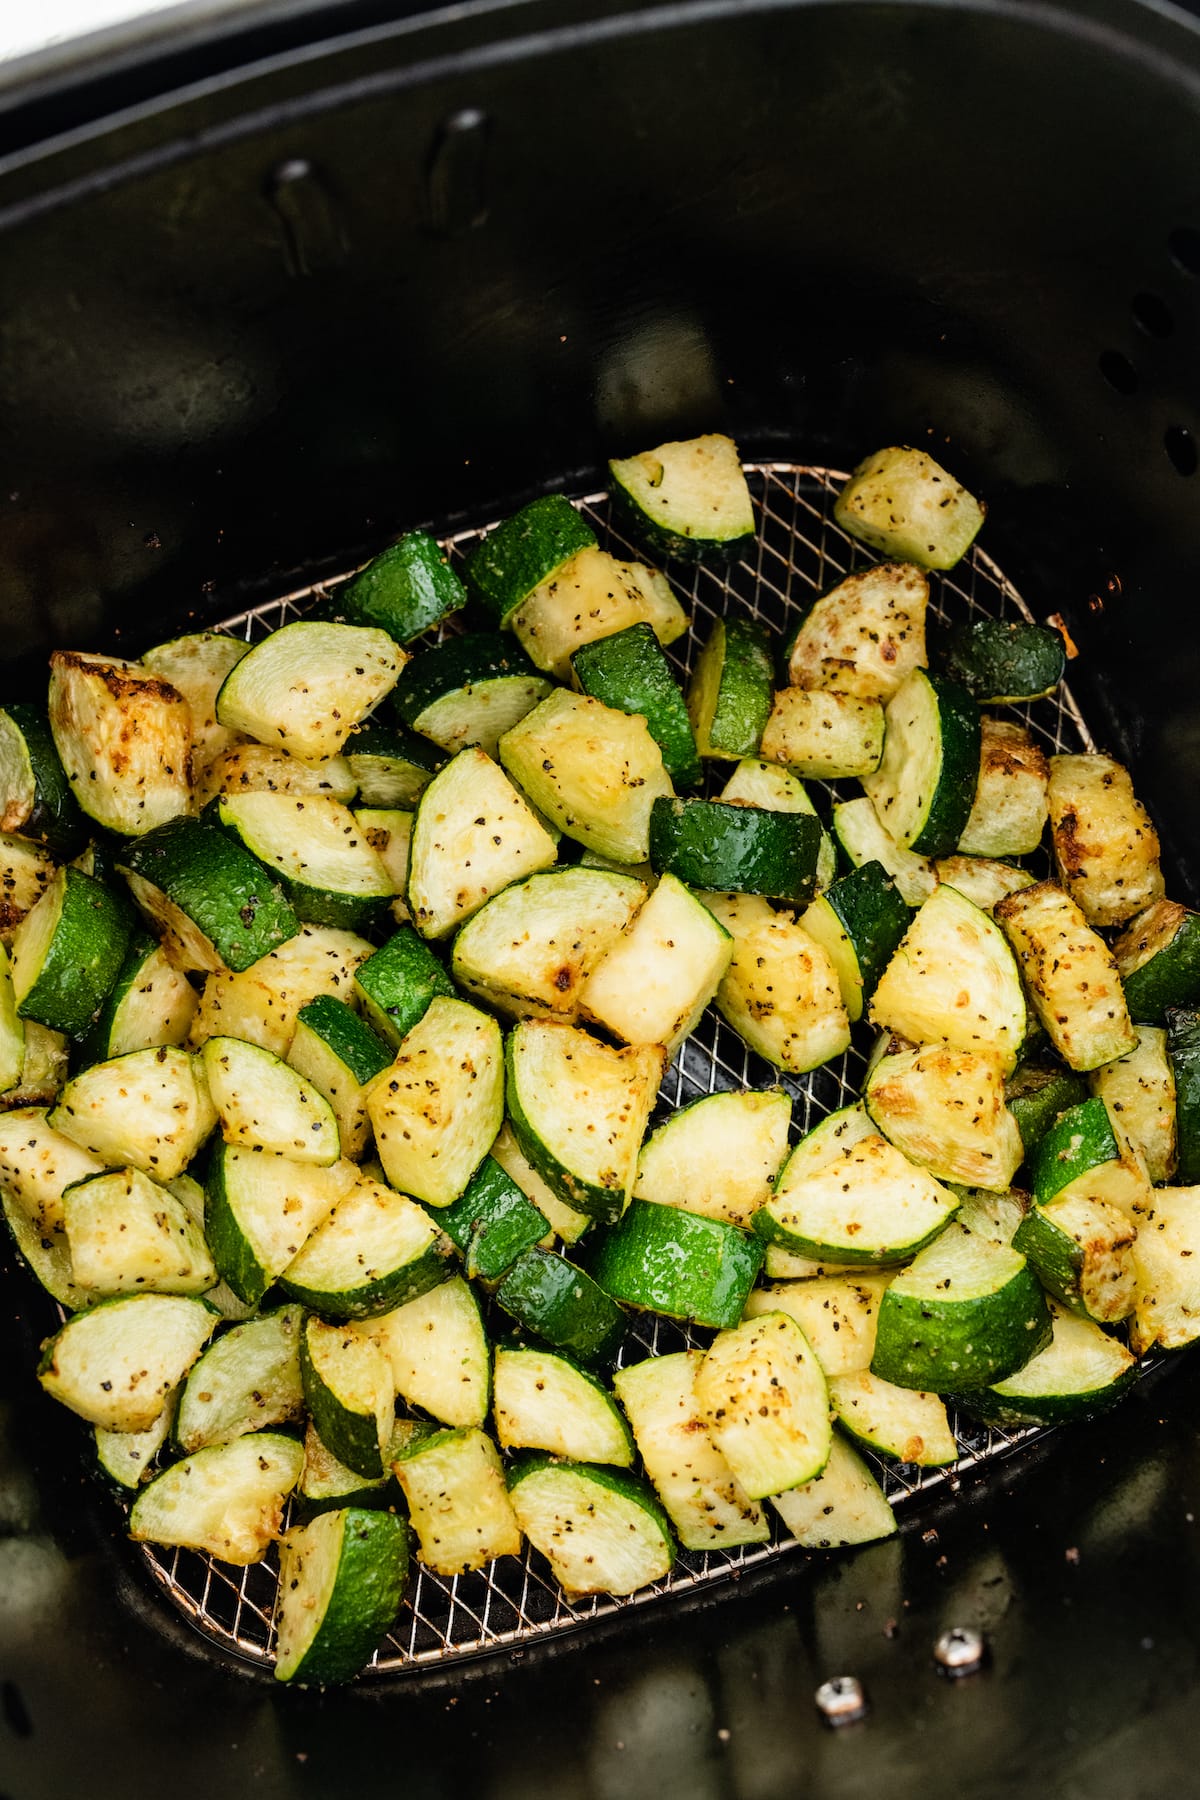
(799, 551)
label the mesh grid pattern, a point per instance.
(799, 551)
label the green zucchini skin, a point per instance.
(1171, 976)
(84, 959)
(218, 884)
(909, 1350)
(729, 694)
(1183, 1053)
(369, 1583)
(709, 468)
(561, 1304)
(629, 671)
(493, 1223)
(397, 984)
(1036, 1094)
(929, 704)
(391, 764)
(348, 1036)
(721, 847)
(470, 661)
(524, 551)
(1078, 1140)
(1001, 660)
(407, 589)
(662, 1259)
(867, 905)
(55, 817)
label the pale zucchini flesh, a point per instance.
(1008, 815)
(842, 1505)
(249, 1378)
(306, 687)
(124, 737)
(264, 1105)
(376, 1250)
(128, 1235)
(864, 635)
(470, 818)
(830, 735)
(117, 1364)
(836, 1313)
(717, 1157)
(945, 1110)
(1070, 974)
(148, 1110)
(870, 1204)
(437, 1109)
(438, 1353)
(780, 992)
(901, 1422)
(598, 1528)
(763, 1396)
(653, 984)
(458, 1503)
(227, 1500)
(590, 597)
(1105, 846)
(543, 1402)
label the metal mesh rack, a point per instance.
(799, 551)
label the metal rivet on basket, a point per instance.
(959, 1651)
(841, 1700)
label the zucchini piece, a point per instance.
(247, 1379)
(863, 840)
(600, 1529)
(1001, 661)
(117, 1364)
(306, 687)
(128, 1235)
(717, 1157)
(530, 950)
(653, 984)
(1139, 1090)
(903, 504)
(124, 738)
(1085, 1154)
(924, 787)
(326, 1484)
(828, 1141)
(43, 1068)
(258, 1211)
(542, 1401)
(261, 769)
(127, 1457)
(680, 1264)
(588, 598)
(1011, 805)
(1158, 958)
(261, 1004)
(468, 690)
(953, 980)
(12, 1030)
(1106, 849)
(148, 1110)
(348, 1390)
(470, 817)
(46, 1254)
(26, 871)
(821, 732)
(836, 1313)
(196, 666)
(945, 1110)
(842, 1505)
(152, 1003)
(521, 552)
(407, 589)
(1166, 1314)
(226, 1500)
(338, 1054)
(390, 766)
(341, 1579)
(695, 1484)
(776, 789)
(859, 922)
(35, 795)
(492, 1223)
(579, 1110)
(593, 771)
(896, 1421)
(729, 694)
(868, 1204)
(628, 671)
(781, 992)
(1081, 1373)
(215, 904)
(1070, 976)
(388, 830)
(265, 1105)
(565, 1222)
(685, 499)
(437, 1109)
(1037, 1094)
(736, 849)
(981, 880)
(376, 1250)
(67, 953)
(1081, 1249)
(438, 1353)
(561, 1304)
(763, 1397)
(865, 635)
(328, 872)
(967, 1312)
(1183, 1054)
(396, 985)
(458, 1502)
(38, 1163)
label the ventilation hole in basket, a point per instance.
(1119, 372)
(1184, 247)
(1153, 315)
(1180, 447)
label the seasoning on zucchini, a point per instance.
(117, 1363)
(844, 1504)
(652, 984)
(1004, 660)
(1158, 958)
(341, 1578)
(945, 1110)
(780, 992)
(35, 795)
(865, 635)
(859, 922)
(543, 1401)
(762, 1395)
(128, 1235)
(493, 1222)
(685, 500)
(628, 670)
(736, 849)
(376, 1250)
(307, 685)
(924, 787)
(718, 1157)
(149, 1110)
(124, 738)
(1070, 975)
(1105, 847)
(867, 1204)
(523, 551)
(729, 694)
(903, 504)
(863, 839)
(437, 1109)
(896, 1421)
(458, 1503)
(405, 590)
(825, 733)
(587, 598)
(339, 1054)
(227, 1500)
(775, 789)
(836, 1313)
(1139, 1091)
(328, 871)
(396, 984)
(1081, 1372)
(246, 1379)
(215, 904)
(1086, 1153)
(1011, 802)
(467, 690)
(68, 951)
(438, 1352)
(663, 1259)
(151, 1003)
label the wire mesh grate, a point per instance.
(799, 551)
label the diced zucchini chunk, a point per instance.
(1167, 1259)
(685, 499)
(46, 1254)
(263, 769)
(867, 1203)
(466, 690)
(265, 1105)
(395, 985)
(457, 1500)
(117, 1364)
(556, 1301)
(899, 1421)
(780, 992)
(1139, 1090)
(601, 1530)
(339, 1054)
(945, 1110)
(348, 1389)
(227, 1500)
(67, 953)
(652, 985)
(152, 1003)
(1105, 846)
(259, 1210)
(836, 1314)
(824, 732)
(763, 1396)
(261, 1004)
(925, 785)
(125, 740)
(1082, 1247)
(312, 844)
(26, 871)
(589, 598)
(524, 550)
(438, 1353)
(376, 1250)
(566, 1222)
(859, 922)
(903, 504)
(543, 1402)
(1081, 1372)
(628, 670)
(775, 789)
(247, 1379)
(196, 666)
(149, 1110)
(1070, 974)
(436, 1111)
(1087, 1153)
(981, 879)
(665, 1260)
(717, 1157)
(306, 687)
(128, 1235)
(1011, 803)
(407, 589)
(865, 635)
(470, 818)
(729, 694)
(341, 1577)
(863, 840)
(37, 1163)
(844, 1504)
(211, 901)
(1004, 660)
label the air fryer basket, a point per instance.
(263, 303)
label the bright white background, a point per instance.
(29, 24)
